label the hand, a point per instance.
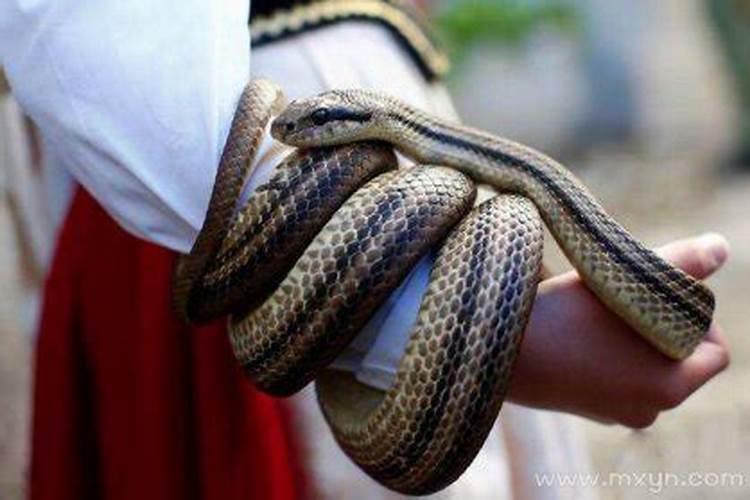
(580, 358)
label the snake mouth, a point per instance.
(296, 134)
(291, 133)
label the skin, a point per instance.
(578, 357)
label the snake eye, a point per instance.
(320, 116)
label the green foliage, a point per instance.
(462, 23)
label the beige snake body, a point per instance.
(450, 384)
(349, 268)
(305, 263)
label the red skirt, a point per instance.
(129, 403)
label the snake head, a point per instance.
(334, 117)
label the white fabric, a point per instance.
(135, 100)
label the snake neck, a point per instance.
(423, 138)
(485, 157)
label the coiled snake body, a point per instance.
(305, 262)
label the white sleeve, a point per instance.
(136, 98)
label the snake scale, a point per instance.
(305, 262)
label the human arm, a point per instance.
(580, 358)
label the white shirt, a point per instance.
(135, 100)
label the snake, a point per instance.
(304, 262)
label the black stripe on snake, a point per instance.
(306, 261)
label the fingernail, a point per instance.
(717, 247)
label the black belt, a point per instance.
(273, 20)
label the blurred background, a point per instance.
(648, 102)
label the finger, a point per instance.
(699, 256)
(708, 360)
(716, 335)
